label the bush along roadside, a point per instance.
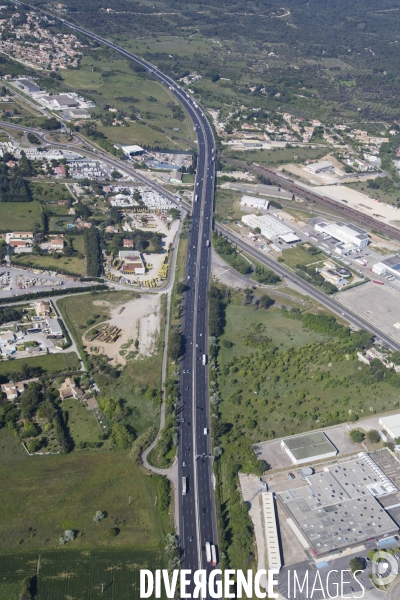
(232, 452)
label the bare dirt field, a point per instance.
(140, 320)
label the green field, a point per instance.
(68, 264)
(50, 363)
(227, 205)
(111, 81)
(300, 256)
(279, 156)
(46, 191)
(82, 424)
(76, 486)
(19, 216)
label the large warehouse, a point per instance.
(343, 232)
(271, 228)
(339, 509)
(308, 447)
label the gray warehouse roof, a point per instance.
(338, 509)
(309, 445)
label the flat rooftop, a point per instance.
(338, 509)
(309, 445)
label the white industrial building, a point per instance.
(320, 167)
(271, 531)
(391, 424)
(271, 228)
(254, 202)
(133, 150)
(389, 265)
(343, 232)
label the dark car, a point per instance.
(291, 475)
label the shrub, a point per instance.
(373, 436)
(357, 436)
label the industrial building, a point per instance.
(343, 232)
(320, 167)
(254, 202)
(59, 101)
(27, 86)
(133, 262)
(391, 424)
(339, 507)
(308, 447)
(271, 228)
(271, 531)
(388, 265)
(133, 150)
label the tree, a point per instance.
(357, 436)
(373, 436)
(122, 436)
(34, 446)
(357, 564)
(51, 124)
(180, 287)
(266, 301)
(175, 345)
(257, 230)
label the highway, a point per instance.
(309, 289)
(197, 521)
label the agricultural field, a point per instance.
(19, 216)
(50, 363)
(74, 574)
(281, 378)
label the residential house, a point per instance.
(69, 389)
(12, 390)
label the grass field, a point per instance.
(82, 424)
(50, 363)
(19, 216)
(227, 204)
(112, 81)
(300, 256)
(76, 486)
(68, 264)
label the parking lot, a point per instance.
(378, 304)
(277, 458)
(15, 282)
